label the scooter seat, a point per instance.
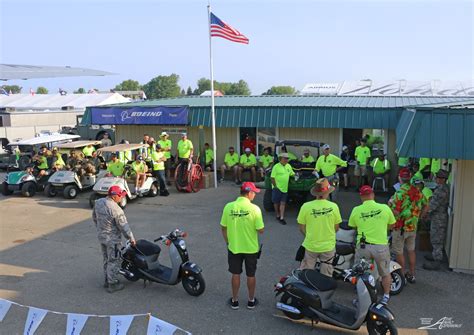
(344, 248)
(317, 280)
(147, 248)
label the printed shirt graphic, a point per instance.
(282, 174)
(231, 160)
(248, 161)
(266, 160)
(242, 219)
(408, 202)
(361, 155)
(167, 144)
(184, 148)
(319, 216)
(328, 164)
(373, 220)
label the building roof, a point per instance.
(303, 101)
(23, 102)
(14, 71)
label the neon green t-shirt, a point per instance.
(88, 151)
(125, 156)
(424, 162)
(380, 166)
(43, 163)
(281, 174)
(231, 160)
(156, 156)
(139, 167)
(435, 165)
(373, 220)
(184, 148)
(167, 144)
(115, 168)
(416, 176)
(242, 219)
(309, 159)
(320, 217)
(209, 155)
(291, 156)
(59, 161)
(362, 154)
(427, 193)
(403, 161)
(248, 161)
(266, 160)
(328, 164)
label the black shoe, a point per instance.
(282, 221)
(429, 257)
(410, 278)
(233, 304)
(252, 304)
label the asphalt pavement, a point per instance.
(50, 259)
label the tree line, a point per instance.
(168, 87)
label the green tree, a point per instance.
(280, 90)
(41, 90)
(162, 87)
(239, 88)
(189, 91)
(183, 92)
(15, 89)
(128, 85)
(80, 90)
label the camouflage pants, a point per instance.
(111, 255)
(439, 225)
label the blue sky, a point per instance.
(291, 42)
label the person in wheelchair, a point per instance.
(139, 169)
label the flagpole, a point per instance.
(213, 114)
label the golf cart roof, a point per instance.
(298, 143)
(123, 147)
(46, 139)
(77, 144)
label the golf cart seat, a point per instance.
(148, 248)
(317, 280)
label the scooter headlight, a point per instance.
(371, 280)
(182, 244)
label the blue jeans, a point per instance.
(161, 176)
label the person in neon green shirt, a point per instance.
(291, 156)
(362, 155)
(280, 178)
(185, 148)
(403, 162)
(307, 157)
(231, 162)
(241, 223)
(158, 159)
(140, 169)
(420, 184)
(89, 151)
(115, 167)
(248, 162)
(58, 163)
(166, 145)
(209, 157)
(372, 221)
(425, 167)
(435, 166)
(381, 169)
(416, 173)
(42, 164)
(327, 163)
(318, 222)
(265, 162)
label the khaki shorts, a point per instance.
(379, 253)
(407, 241)
(360, 170)
(310, 259)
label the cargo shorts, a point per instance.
(360, 170)
(377, 252)
(405, 241)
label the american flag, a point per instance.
(221, 29)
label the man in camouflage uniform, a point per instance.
(111, 223)
(438, 214)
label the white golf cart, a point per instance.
(70, 182)
(126, 181)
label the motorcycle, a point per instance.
(141, 262)
(307, 293)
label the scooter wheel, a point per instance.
(398, 282)
(128, 267)
(194, 284)
(381, 327)
(288, 300)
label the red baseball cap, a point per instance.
(366, 190)
(117, 190)
(249, 186)
(404, 173)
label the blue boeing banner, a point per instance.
(140, 115)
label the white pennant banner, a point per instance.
(119, 324)
(34, 319)
(75, 323)
(159, 327)
(4, 308)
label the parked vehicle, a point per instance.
(101, 187)
(86, 130)
(24, 182)
(300, 186)
(142, 262)
(308, 293)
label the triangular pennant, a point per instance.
(119, 324)
(160, 327)
(4, 308)
(75, 323)
(33, 320)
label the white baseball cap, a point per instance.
(326, 146)
(247, 150)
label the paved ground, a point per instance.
(49, 258)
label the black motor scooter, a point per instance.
(141, 262)
(307, 293)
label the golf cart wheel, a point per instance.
(196, 178)
(50, 191)
(92, 199)
(128, 267)
(28, 189)
(375, 327)
(289, 300)
(70, 192)
(398, 282)
(153, 192)
(5, 190)
(123, 202)
(267, 201)
(194, 284)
